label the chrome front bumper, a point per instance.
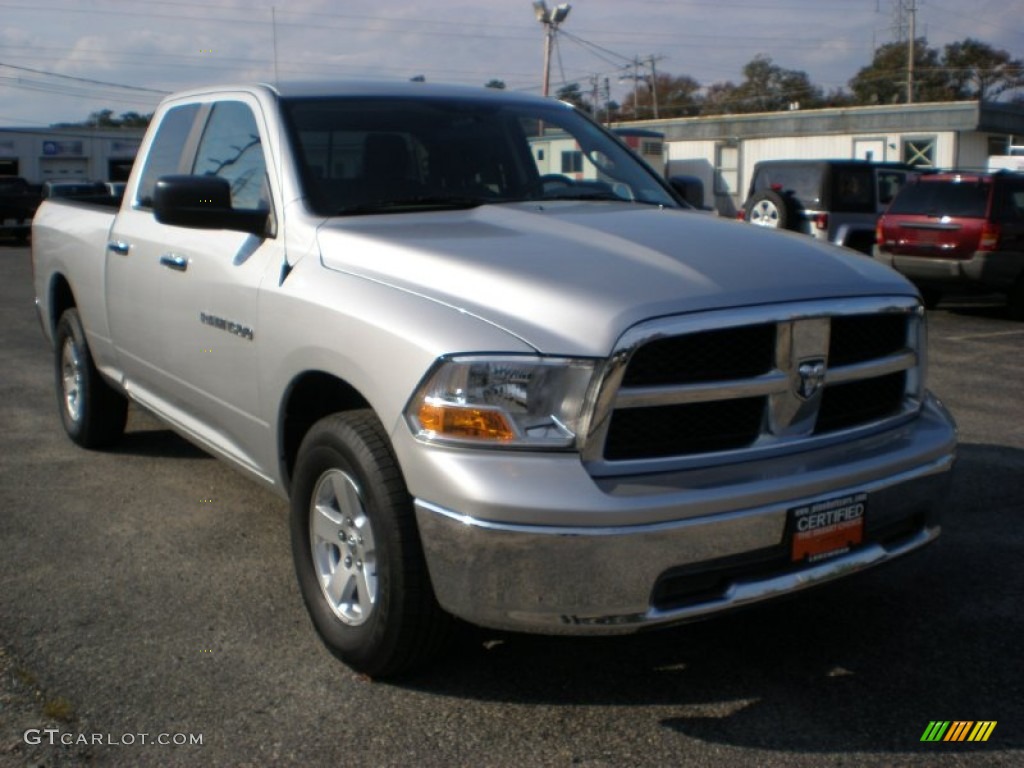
(592, 579)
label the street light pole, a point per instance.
(550, 18)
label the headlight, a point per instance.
(522, 402)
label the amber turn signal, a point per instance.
(457, 421)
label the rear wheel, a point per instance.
(93, 413)
(930, 296)
(357, 551)
(1016, 299)
(768, 208)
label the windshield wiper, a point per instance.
(419, 202)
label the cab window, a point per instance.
(165, 153)
(231, 148)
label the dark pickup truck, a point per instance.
(18, 203)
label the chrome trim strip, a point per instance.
(881, 366)
(771, 383)
(643, 397)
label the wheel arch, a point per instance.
(309, 397)
(60, 298)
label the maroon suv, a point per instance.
(958, 230)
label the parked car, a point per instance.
(958, 230)
(74, 189)
(834, 200)
(18, 203)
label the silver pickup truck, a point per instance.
(498, 367)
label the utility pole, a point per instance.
(636, 77)
(910, 52)
(654, 83)
(550, 18)
(636, 85)
(905, 29)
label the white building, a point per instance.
(69, 154)
(721, 150)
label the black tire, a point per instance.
(93, 413)
(1015, 300)
(769, 209)
(357, 550)
(930, 296)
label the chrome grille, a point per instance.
(724, 386)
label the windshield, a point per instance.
(376, 155)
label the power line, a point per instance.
(83, 79)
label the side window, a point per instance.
(889, 183)
(1012, 204)
(572, 161)
(166, 150)
(231, 148)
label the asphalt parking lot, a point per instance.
(147, 596)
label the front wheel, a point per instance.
(357, 551)
(93, 413)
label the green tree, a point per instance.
(677, 97)
(134, 120)
(571, 93)
(884, 81)
(495, 83)
(770, 88)
(720, 99)
(976, 70)
(104, 118)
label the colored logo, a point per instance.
(959, 730)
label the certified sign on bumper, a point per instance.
(827, 528)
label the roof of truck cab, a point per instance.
(372, 88)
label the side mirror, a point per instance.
(203, 202)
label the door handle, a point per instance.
(174, 261)
(119, 247)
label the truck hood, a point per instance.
(568, 278)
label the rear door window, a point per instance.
(801, 181)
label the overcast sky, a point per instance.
(166, 45)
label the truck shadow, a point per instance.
(861, 665)
(159, 443)
(148, 436)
